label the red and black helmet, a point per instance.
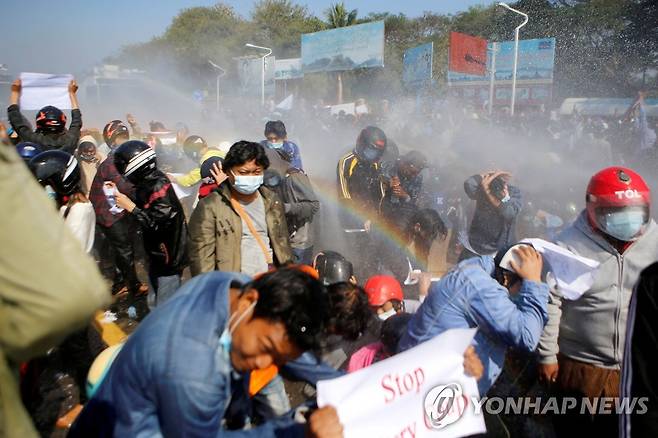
(615, 188)
(50, 120)
(113, 130)
(382, 288)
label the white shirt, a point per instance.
(81, 220)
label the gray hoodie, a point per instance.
(592, 329)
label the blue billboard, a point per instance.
(417, 66)
(534, 77)
(536, 61)
(345, 48)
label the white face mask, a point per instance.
(384, 316)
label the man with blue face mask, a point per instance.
(241, 226)
(581, 349)
(277, 139)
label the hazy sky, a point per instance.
(72, 35)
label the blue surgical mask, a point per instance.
(371, 155)
(273, 145)
(624, 225)
(247, 184)
(226, 339)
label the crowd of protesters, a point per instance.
(248, 290)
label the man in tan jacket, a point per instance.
(48, 286)
(240, 227)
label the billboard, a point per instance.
(288, 69)
(468, 54)
(250, 74)
(534, 79)
(345, 48)
(417, 66)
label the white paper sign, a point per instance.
(42, 89)
(574, 274)
(181, 191)
(418, 393)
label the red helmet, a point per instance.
(382, 288)
(614, 188)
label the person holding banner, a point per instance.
(478, 293)
(51, 132)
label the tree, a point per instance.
(279, 24)
(338, 16)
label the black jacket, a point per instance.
(359, 189)
(492, 227)
(66, 140)
(161, 217)
(639, 377)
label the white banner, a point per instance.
(422, 392)
(42, 89)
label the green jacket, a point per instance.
(48, 286)
(216, 232)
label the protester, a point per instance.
(384, 296)
(159, 213)
(51, 132)
(640, 354)
(497, 205)
(333, 268)
(403, 184)
(198, 151)
(359, 175)
(581, 350)
(212, 175)
(392, 331)
(299, 202)
(175, 374)
(240, 227)
(61, 172)
(115, 223)
(41, 306)
(27, 150)
(409, 262)
(89, 158)
(277, 138)
(505, 298)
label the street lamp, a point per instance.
(222, 72)
(262, 71)
(516, 50)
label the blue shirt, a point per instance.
(470, 297)
(292, 151)
(172, 378)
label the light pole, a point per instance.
(262, 70)
(516, 51)
(492, 74)
(222, 72)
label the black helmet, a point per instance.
(206, 166)
(371, 144)
(28, 150)
(333, 267)
(193, 146)
(134, 160)
(50, 120)
(113, 130)
(58, 170)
